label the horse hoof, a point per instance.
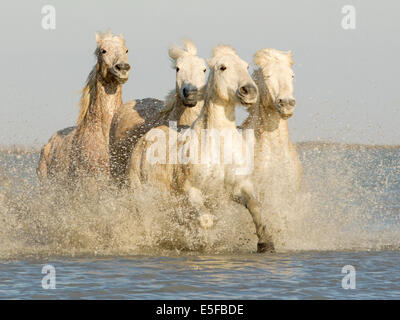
(206, 221)
(265, 247)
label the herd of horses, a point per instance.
(111, 139)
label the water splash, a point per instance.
(350, 201)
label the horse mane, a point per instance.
(170, 102)
(88, 92)
(221, 50)
(103, 36)
(175, 51)
(259, 80)
(264, 57)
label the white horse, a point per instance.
(277, 171)
(82, 151)
(229, 83)
(183, 105)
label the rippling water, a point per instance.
(301, 275)
(124, 246)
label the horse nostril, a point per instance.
(292, 102)
(248, 90)
(122, 66)
(243, 90)
(189, 92)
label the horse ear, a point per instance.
(190, 47)
(259, 57)
(211, 62)
(121, 37)
(175, 52)
(290, 56)
(97, 37)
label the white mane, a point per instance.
(175, 51)
(104, 36)
(264, 57)
(221, 50)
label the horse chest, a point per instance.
(215, 179)
(210, 174)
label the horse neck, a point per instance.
(216, 114)
(106, 100)
(184, 116)
(268, 125)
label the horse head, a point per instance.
(276, 85)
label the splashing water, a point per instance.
(350, 201)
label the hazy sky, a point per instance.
(346, 86)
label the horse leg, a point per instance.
(196, 200)
(248, 199)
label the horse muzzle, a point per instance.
(121, 71)
(190, 96)
(285, 107)
(247, 94)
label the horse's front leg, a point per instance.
(196, 200)
(246, 197)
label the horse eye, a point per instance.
(204, 70)
(222, 68)
(126, 51)
(103, 51)
(177, 69)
